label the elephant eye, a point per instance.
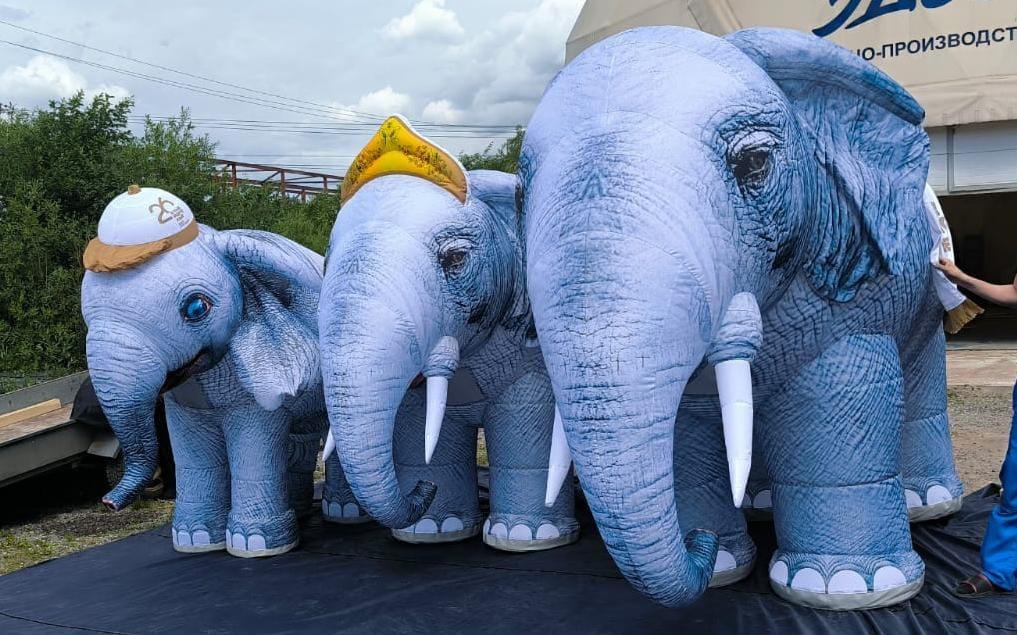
(452, 259)
(751, 166)
(195, 307)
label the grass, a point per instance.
(74, 529)
(58, 514)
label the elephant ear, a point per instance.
(275, 348)
(501, 192)
(870, 147)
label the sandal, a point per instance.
(977, 586)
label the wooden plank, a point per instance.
(28, 412)
(63, 389)
(21, 429)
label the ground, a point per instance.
(58, 513)
(980, 423)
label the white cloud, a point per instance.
(512, 61)
(441, 111)
(383, 102)
(43, 78)
(13, 14)
(428, 19)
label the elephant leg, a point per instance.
(261, 521)
(517, 429)
(703, 488)
(203, 478)
(832, 447)
(454, 513)
(338, 505)
(758, 502)
(303, 459)
(931, 486)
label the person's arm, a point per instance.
(1003, 294)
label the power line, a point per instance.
(300, 110)
(309, 107)
(183, 73)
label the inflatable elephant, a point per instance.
(747, 202)
(426, 334)
(224, 324)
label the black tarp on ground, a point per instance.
(358, 579)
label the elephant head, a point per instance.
(245, 296)
(422, 265)
(675, 185)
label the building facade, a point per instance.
(957, 57)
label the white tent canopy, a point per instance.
(967, 83)
(957, 57)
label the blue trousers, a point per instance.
(999, 549)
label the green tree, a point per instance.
(505, 158)
(59, 168)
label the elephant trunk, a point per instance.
(370, 355)
(623, 327)
(127, 378)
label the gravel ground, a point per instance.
(58, 513)
(980, 425)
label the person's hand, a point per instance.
(952, 271)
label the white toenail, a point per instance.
(256, 543)
(547, 531)
(912, 498)
(499, 530)
(426, 526)
(725, 561)
(888, 578)
(451, 524)
(778, 573)
(847, 581)
(521, 532)
(938, 494)
(809, 580)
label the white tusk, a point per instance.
(559, 462)
(734, 387)
(437, 395)
(329, 446)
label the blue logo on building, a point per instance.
(875, 9)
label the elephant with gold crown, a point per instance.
(426, 336)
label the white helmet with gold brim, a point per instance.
(138, 225)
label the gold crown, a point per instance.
(398, 149)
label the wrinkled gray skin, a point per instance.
(242, 385)
(418, 283)
(666, 172)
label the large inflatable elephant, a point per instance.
(224, 324)
(426, 334)
(694, 201)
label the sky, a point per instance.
(319, 66)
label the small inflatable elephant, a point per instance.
(224, 324)
(753, 201)
(426, 335)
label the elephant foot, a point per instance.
(735, 561)
(516, 533)
(928, 499)
(197, 540)
(758, 505)
(841, 582)
(255, 538)
(431, 531)
(343, 513)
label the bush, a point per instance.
(58, 170)
(60, 167)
